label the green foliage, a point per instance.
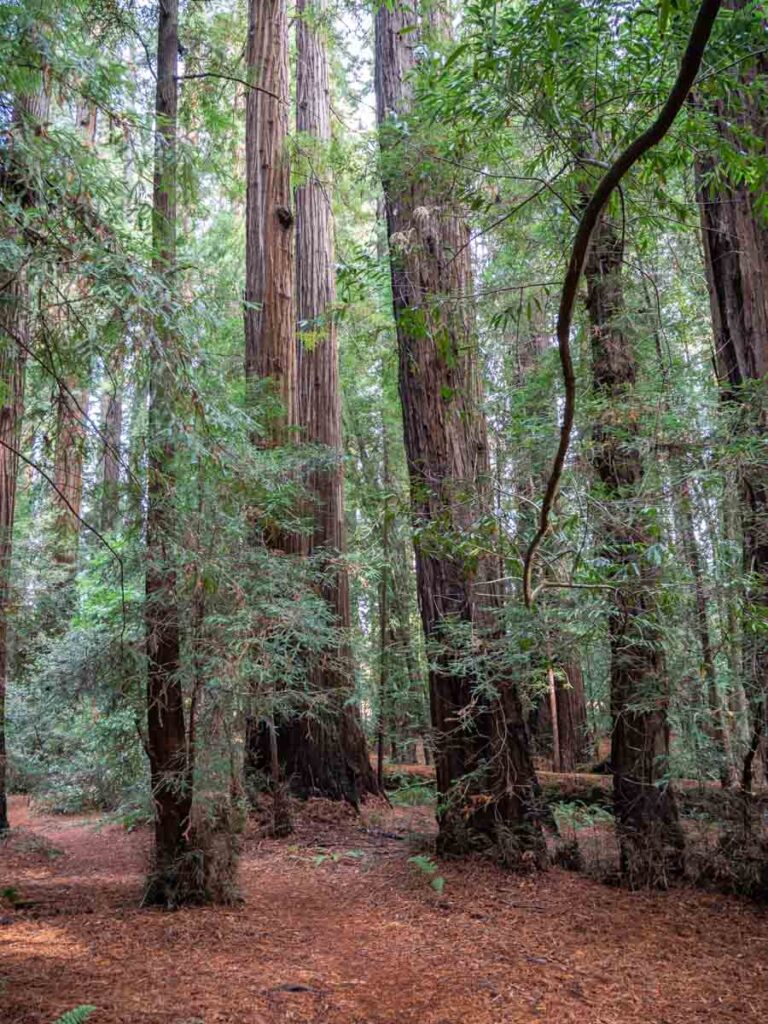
(577, 815)
(78, 1015)
(427, 867)
(511, 125)
(413, 795)
(337, 856)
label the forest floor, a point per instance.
(338, 927)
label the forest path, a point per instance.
(338, 928)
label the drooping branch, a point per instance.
(689, 67)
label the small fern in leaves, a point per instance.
(429, 868)
(79, 1015)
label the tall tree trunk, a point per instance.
(111, 431)
(384, 629)
(650, 837)
(325, 756)
(12, 363)
(270, 325)
(718, 729)
(68, 469)
(172, 879)
(71, 410)
(735, 240)
(485, 776)
(571, 705)
(30, 111)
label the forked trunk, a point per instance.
(325, 756)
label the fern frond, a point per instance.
(79, 1015)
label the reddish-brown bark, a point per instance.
(111, 431)
(172, 879)
(328, 755)
(30, 111)
(270, 349)
(71, 410)
(485, 775)
(650, 837)
(735, 237)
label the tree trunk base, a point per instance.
(317, 759)
(510, 835)
(651, 841)
(202, 869)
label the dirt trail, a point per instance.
(338, 928)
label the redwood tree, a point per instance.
(322, 755)
(172, 880)
(270, 324)
(735, 236)
(485, 776)
(650, 837)
(71, 410)
(68, 467)
(29, 113)
(111, 431)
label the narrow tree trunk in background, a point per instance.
(71, 410)
(171, 882)
(718, 723)
(485, 777)
(552, 698)
(397, 547)
(12, 363)
(383, 644)
(650, 837)
(270, 326)
(68, 469)
(735, 239)
(731, 600)
(111, 430)
(571, 715)
(14, 340)
(325, 756)
(401, 577)
(570, 698)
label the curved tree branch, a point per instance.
(689, 67)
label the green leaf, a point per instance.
(665, 7)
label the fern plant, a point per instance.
(79, 1015)
(428, 868)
